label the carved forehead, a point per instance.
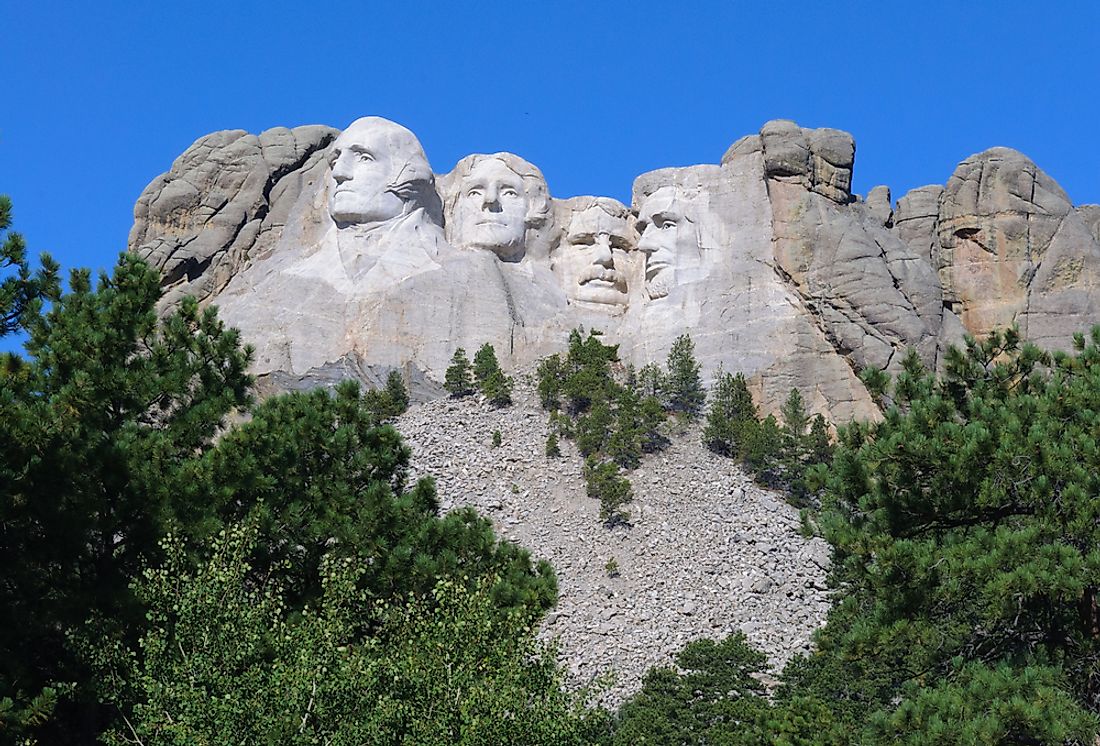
(494, 169)
(664, 201)
(595, 220)
(380, 136)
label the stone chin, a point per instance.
(502, 239)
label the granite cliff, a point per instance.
(343, 254)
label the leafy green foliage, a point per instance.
(966, 535)
(101, 424)
(611, 423)
(22, 291)
(226, 660)
(715, 700)
(682, 387)
(458, 379)
(495, 386)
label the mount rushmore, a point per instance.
(343, 254)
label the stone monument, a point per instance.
(342, 254)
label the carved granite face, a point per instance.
(669, 239)
(370, 161)
(491, 209)
(585, 261)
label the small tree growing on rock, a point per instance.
(603, 482)
(495, 386)
(683, 387)
(459, 379)
(730, 413)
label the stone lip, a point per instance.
(772, 264)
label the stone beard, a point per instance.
(670, 240)
(496, 203)
(585, 262)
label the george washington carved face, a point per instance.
(377, 169)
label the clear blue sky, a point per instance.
(99, 98)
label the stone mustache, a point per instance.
(342, 254)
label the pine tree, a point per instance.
(495, 386)
(651, 381)
(21, 293)
(604, 483)
(760, 450)
(965, 525)
(730, 412)
(485, 363)
(459, 377)
(794, 416)
(553, 450)
(683, 386)
(397, 394)
(818, 446)
(549, 382)
(103, 422)
(592, 431)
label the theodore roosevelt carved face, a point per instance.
(378, 173)
(585, 260)
(497, 203)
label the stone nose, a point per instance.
(602, 251)
(340, 170)
(490, 201)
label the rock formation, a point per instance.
(343, 254)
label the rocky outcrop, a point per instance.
(223, 201)
(708, 553)
(1009, 247)
(342, 254)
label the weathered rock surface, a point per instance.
(1009, 247)
(343, 254)
(708, 552)
(223, 201)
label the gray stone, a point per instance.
(343, 255)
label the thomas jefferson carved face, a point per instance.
(585, 261)
(491, 209)
(670, 241)
(375, 165)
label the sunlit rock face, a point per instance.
(342, 254)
